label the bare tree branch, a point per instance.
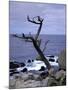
(43, 58)
(35, 41)
(38, 21)
(32, 20)
(45, 45)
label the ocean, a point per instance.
(20, 50)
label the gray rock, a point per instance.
(52, 82)
(60, 74)
(27, 84)
(32, 83)
(62, 60)
(36, 76)
(24, 76)
(51, 72)
(12, 83)
(45, 82)
(31, 76)
(19, 84)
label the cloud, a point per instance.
(53, 14)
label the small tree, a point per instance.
(36, 42)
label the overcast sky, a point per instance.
(53, 14)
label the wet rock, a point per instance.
(22, 64)
(43, 75)
(51, 56)
(42, 68)
(51, 60)
(24, 70)
(13, 65)
(16, 72)
(29, 61)
(32, 60)
(12, 70)
(12, 73)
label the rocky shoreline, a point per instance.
(38, 78)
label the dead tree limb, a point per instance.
(35, 41)
(39, 21)
(43, 58)
(45, 45)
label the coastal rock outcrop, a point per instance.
(62, 60)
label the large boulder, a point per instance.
(24, 70)
(60, 74)
(62, 60)
(52, 82)
(27, 84)
(13, 65)
(42, 68)
(45, 82)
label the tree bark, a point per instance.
(39, 51)
(36, 37)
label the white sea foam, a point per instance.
(36, 64)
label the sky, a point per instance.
(53, 15)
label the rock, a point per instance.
(17, 76)
(12, 83)
(52, 82)
(27, 84)
(24, 70)
(32, 84)
(31, 76)
(45, 82)
(42, 68)
(62, 60)
(29, 61)
(13, 65)
(51, 56)
(32, 60)
(64, 81)
(52, 60)
(44, 74)
(15, 72)
(22, 64)
(11, 73)
(36, 84)
(36, 77)
(24, 76)
(19, 84)
(60, 74)
(51, 72)
(12, 70)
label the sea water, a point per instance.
(21, 51)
